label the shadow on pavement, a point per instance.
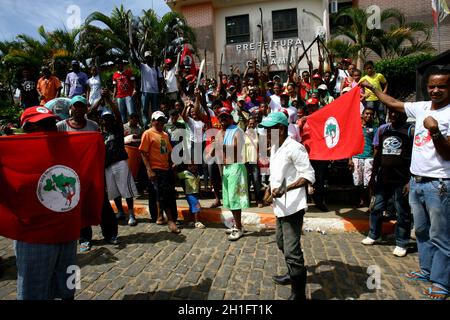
(338, 280)
(194, 292)
(142, 237)
(96, 257)
(8, 269)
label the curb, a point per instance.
(268, 220)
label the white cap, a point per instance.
(322, 87)
(147, 54)
(157, 115)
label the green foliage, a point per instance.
(401, 73)
(396, 38)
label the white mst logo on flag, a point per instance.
(331, 132)
(58, 189)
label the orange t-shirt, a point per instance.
(158, 147)
(48, 88)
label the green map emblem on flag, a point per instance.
(331, 132)
(58, 189)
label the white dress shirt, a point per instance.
(290, 162)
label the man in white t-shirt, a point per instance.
(429, 195)
(151, 85)
(94, 87)
(170, 76)
(342, 74)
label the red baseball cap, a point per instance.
(285, 111)
(167, 61)
(35, 114)
(347, 60)
(317, 76)
(224, 110)
(312, 101)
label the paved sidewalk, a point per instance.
(151, 263)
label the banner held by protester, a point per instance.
(53, 185)
(334, 132)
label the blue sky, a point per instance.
(25, 16)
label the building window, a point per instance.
(237, 29)
(284, 24)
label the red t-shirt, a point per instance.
(303, 91)
(124, 83)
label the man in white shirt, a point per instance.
(151, 85)
(429, 195)
(290, 173)
(170, 77)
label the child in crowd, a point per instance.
(192, 189)
(361, 164)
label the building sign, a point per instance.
(277, 51)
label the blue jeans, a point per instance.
(126, 105)
(42, 272)
(148, 100)
(379, 110)
(383, 193)
(431, 211)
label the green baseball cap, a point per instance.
(273, 119)
(78, 99)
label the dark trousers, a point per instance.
(320, 169)
(108, 224)
(383, 193)
(162, 191)
(288, 232)
(255, 179)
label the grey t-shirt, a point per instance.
(64, 125)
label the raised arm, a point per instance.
(386, 99)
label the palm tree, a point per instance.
(117, 39)
(402, 38)
(128, 36)
(397, 39)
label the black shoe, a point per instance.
(298, 291)
(282, 280)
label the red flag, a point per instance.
(52, 185)
(187, 60)
(334, 132)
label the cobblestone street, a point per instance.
(151, 263)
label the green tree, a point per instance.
(396, 38)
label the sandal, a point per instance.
(199, 225)
(417, 276)
(439, 295)
(85, 247)
(173, 228)
(215, 205)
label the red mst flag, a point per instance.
(187, 60)
(52, 185)
(335, 132)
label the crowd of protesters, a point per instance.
(150, 115)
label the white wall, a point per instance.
(236, 53)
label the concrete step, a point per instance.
(338, 219)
